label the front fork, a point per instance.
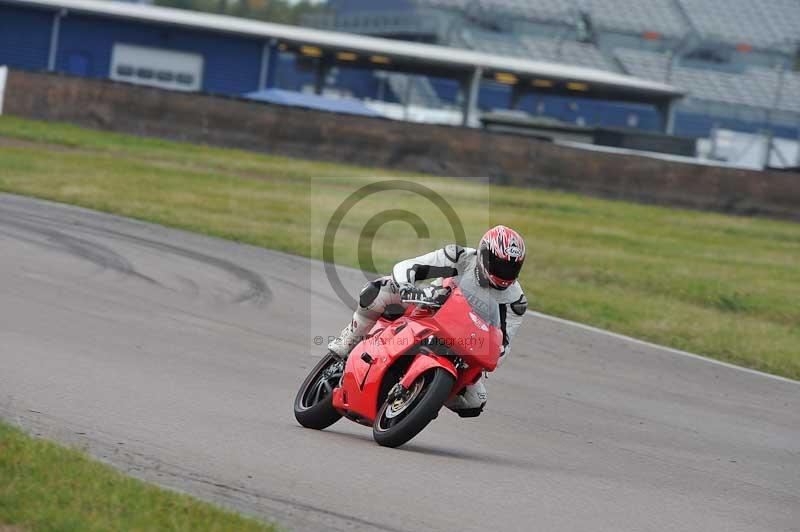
(427, 360)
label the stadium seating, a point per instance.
(444, 4)
(545, 10)
(756, 87)
(633, 37)
(760, 23)
(790, 95)
(648, 65)
(493, 42)
(396, 23)
(637, 16)
(631, 16)
(567, 51)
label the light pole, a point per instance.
(675, 52)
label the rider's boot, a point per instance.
(344, 343)
(372, 301)
(470, 401)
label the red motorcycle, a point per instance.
(401, 374)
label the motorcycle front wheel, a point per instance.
(401, 418)
(313, 405)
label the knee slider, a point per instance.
(368, 294)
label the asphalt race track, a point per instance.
(175, 357)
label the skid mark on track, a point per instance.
(98, 254)
(257, 291)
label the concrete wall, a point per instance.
(460, 152)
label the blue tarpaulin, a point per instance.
(311, 101)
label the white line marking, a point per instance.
(661, 347)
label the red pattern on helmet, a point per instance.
(504, 243)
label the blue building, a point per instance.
(37, 37)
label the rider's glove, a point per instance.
(433, 296)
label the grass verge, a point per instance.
(721, 286)
(47, 487)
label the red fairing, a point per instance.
(423, 363)
(466, 334)
(455, 325)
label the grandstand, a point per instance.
(604, 63)
(188, 51)
(736, 59)
(526, 46)
(763, 24)
(565, 51)
(618, 15)
(756, 86)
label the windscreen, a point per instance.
(479, 298)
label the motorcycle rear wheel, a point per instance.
(396, 423)
(313, 404)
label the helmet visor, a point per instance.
(506, 270)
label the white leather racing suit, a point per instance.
(450, 261)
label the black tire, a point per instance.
(313, 404)
(436, 387)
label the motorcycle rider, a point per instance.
(496, 263)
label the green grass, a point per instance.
(46, 487)
(721, 286)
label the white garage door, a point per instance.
(157, 67)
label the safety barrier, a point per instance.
(378, 142)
